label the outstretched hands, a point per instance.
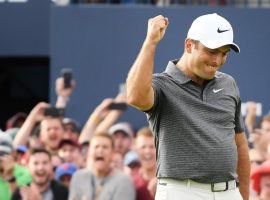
(156, 29)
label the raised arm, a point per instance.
(113, 115)
(35, 115)
(94, 120)
(251, 116)
(140, 93)
(63, 93)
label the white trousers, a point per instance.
(184, 190)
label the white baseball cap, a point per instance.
(213, 31)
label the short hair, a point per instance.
(266, 118)
(102, 134)
(263, 119)
(145, 131)
(40, 150)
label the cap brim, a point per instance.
(215, 45)
(235, 47)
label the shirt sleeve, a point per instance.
(239, 121)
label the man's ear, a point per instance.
(189, 44)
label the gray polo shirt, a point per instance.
(195, 126)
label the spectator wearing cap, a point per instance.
(21, 155)
(71, 129)
(42, 185)
(100, 180)
(123, 137)
(132, 163)
(12, 175)
(261, 180)
(70, 151)
(64, 172)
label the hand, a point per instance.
(102, 109)
(61, 90)
(37, 113)
(251, 108)
(8, 164)
(156, 28)
(30, 193)
(121, 97)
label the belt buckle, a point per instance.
(219, 190)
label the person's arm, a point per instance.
(251, 116)
(140, 93)
(113, 115)
(36, 115)
(243, 165)
(94, 120)
(63, 93)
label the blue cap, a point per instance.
(64, 169)
(21, 148)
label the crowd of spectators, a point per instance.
(46, 155)
(50, 156)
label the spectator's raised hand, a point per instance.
(121, 97)
(251, 107)
(102, 109)
(37, 113)
(61, 90)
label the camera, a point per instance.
(54, 112)
(67, 74)
(117, 106)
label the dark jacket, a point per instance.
(60, 192)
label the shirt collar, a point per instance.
(176, 73)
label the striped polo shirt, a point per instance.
(195, 126)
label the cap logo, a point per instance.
(222, 31)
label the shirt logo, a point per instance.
(222, 31)
(218, 90)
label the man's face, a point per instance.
(265, 187)
(122, 142)
(69, 153)
(100, 154)
(70, 132)
(265, 127)
(40, 168)
(51, 132)
(205, 62)
(146, 149)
